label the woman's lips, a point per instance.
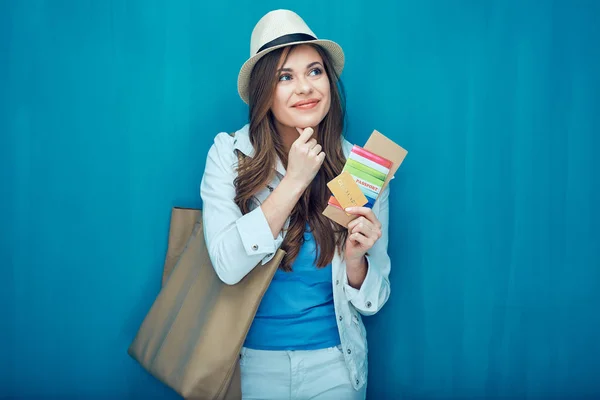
(306, 104)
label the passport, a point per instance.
(380, 154)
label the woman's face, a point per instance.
(302, 96)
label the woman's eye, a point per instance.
(316, 71)
(285, 77)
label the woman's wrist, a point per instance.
(292, 187)
(356, 270)
(280, 203)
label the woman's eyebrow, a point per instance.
(312, 64)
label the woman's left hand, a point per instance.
(363, 232)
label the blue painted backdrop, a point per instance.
(108, 108)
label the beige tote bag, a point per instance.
(192, 335)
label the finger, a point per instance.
(361, 224)
(368, 230)
(366, 242)
(355, 222)
(364, 226)
(311, 143)
(321, 157)
(367, 213)
(317, 149)
(304, 134)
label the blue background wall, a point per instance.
(108, 108)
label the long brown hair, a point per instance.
(255, 172)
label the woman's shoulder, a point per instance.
(222, 153)
(224, 143)
(225, 139)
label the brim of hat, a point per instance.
(335, 52)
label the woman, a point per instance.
(307, 339)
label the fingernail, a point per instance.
(348, 209)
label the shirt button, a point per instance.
(349, 351)
(369, 304)
(255, 247)
(357, 381)
(341, 318)
(337, 281)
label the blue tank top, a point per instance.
(297, 312)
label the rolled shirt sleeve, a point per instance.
(236, 243)
(256, 236)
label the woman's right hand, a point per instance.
(304, 159)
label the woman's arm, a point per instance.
(237, 243)
(367, 278)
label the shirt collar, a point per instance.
(242, 141)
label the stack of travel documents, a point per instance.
(365, 175)
(369, 171)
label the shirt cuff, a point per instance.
(256, 235)
(365, 299)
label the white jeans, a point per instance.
(297, 375)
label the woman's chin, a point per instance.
(304, 123)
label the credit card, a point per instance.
(346, 191)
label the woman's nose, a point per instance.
(303, 86)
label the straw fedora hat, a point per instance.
(280, 28)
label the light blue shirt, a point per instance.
(297, 311)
